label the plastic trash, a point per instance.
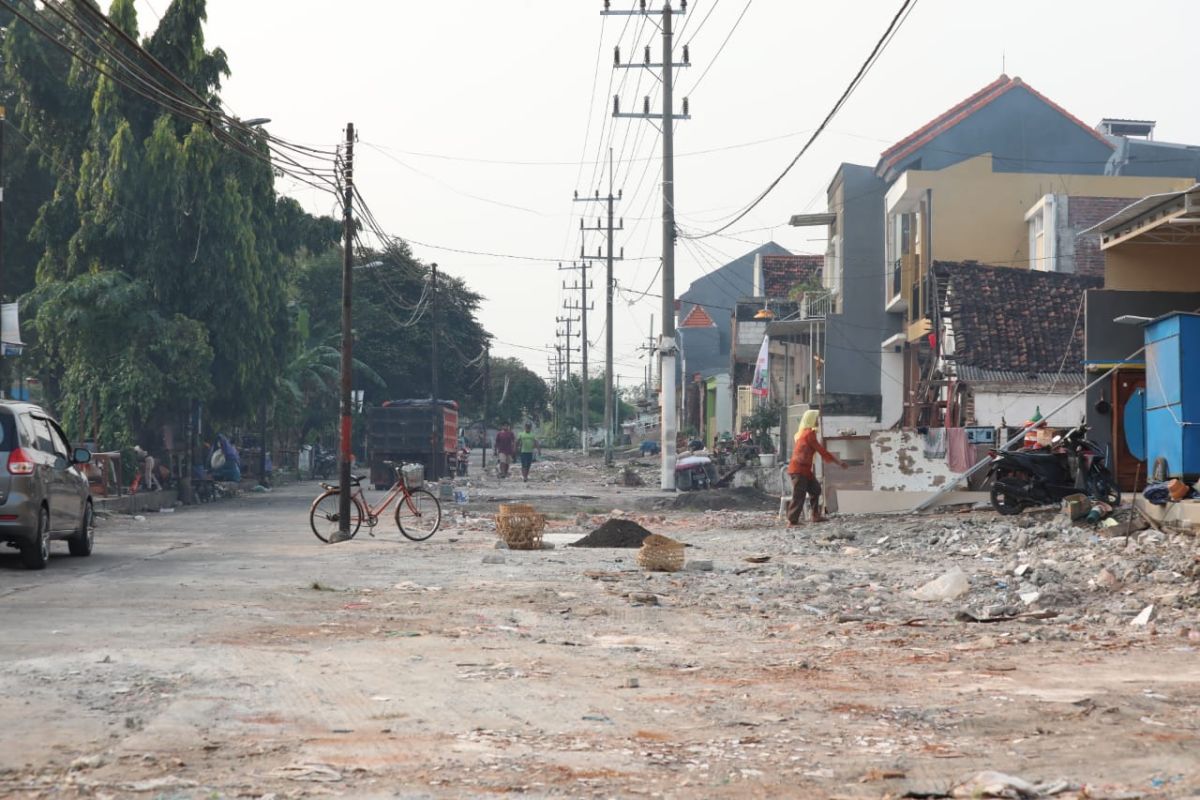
(951, 586)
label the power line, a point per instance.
(721, 49)
(880, 46)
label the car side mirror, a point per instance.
(81, 455)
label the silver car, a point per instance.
(43, 493)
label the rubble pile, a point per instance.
(974, 567)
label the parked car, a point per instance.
(44, 494)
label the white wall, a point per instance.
(849, 426)
(891, 385)
(898, 463)
(1016, 407)
(724, 409)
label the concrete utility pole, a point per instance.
(608, 301)
(583, 308)
(344, 450)
(648, 348)
(434, 445)
(568, 334)
(666, 344)
(487, 400)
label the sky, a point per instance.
(478, 120)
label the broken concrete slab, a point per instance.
(857, 501)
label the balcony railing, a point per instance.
(815, 305)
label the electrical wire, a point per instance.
(720, 49)
(893, 27)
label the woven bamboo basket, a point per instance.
(520, 527)
(660, 554)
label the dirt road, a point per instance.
(223, 652)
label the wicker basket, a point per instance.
(520, 526)
(660, 554)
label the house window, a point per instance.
(1042, 220)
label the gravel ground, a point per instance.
(223, 652)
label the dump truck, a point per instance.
(412, 432)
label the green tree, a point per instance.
(517, 392)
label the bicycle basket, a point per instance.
(414, 475)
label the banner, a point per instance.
(761, 374)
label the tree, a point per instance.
(517, 392)
(186, 233)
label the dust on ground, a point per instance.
(226, 653)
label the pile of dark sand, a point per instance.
(615, 533)
(745, 498)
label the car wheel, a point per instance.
(36, 554)
(81, 543)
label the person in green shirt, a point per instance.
(527, 444)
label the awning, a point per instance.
(1169, 218)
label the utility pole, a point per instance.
(487, 400)
(648, 348)
(666, 345)
(568, 334)
(583, 308)
(343, 531)
(434, 444)
(609, 283)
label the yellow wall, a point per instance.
(979, 214)
(1152, 267)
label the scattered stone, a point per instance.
(644, 598)
(1106, 579)
(495, 558)
(699, 566)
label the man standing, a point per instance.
(800, 469)
(527, 443)
(505, 448)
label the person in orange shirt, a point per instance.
(800, 469)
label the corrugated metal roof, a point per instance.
(1041, 380)
(1137, 209)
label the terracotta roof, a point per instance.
(1009, 318)
(697, 318)
(781, 274)
(961, 111)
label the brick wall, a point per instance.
(782, 273)
(1083, 213)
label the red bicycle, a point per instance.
(418, 513)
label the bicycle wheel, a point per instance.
(324, 516)
(418, 515)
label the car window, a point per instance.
(25, 426)
(59, 441)
(8, 433)
(41, 432)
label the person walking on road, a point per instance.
(505, 449)
(527, 444)
(800, 469)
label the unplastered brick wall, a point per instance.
(1083, 213)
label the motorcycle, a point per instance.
(325, 463)
(1071, 465)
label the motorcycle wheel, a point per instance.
(1105, 490)
(1004, 502)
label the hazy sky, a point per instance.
(448, 97)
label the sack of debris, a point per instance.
(660, 554)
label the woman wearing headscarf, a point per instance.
(800, 469)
